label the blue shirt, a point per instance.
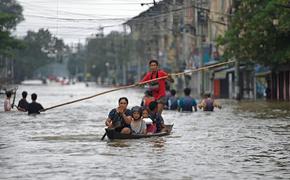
(117, 118)
(186, 103)
(172, 103)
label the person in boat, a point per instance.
(151, 128)
(34, 107)
(187, 103)
(172, 101)
(120, 117)
(157, 87)
(147, 99)
(138, 125)
(23, 104)
(7, 101)
(156, 117)
(208, 103)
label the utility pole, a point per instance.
(237, 78)
(185, 39)
(199, 34)
(124, 64)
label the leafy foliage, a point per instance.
(40, 49)
(10, 16)
(253, 35)
(109, 53)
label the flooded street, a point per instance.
(241, 141)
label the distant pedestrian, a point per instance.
(172, 101)
(187, 103)
(23, 104)
(7, 101)
(34, 107)
(268, 93)
(208, 103)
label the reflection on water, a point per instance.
(266, 109)
(244, 140)
(118, 143)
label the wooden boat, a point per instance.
(112, 134)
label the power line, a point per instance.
(78, 19)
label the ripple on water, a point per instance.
(244, 140)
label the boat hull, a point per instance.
(112, 134)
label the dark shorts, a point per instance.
(119, 129)
(161, 100)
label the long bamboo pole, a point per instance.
(137, 84)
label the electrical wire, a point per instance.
(150, 16)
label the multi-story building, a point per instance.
(182, 35)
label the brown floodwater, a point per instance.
(243, 140)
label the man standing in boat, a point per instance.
(158, 86)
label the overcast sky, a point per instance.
(75, 20)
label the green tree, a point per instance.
(10, 16)
(253, 35)
(109, 53)
(76, 61)
(40, 49)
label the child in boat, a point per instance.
(156, 117)
(147, 99)
(151, 128)
(138, 125)
(186, 103)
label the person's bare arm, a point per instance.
(126, 118)
(170, 79)
(108, 123)
(217, 104)
(201, 104)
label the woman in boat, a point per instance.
(120, 117)
(138, 125)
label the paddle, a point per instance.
(89, 97)
(137, 84)
(14, 98)
(103, 137)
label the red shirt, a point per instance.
(160, 92)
